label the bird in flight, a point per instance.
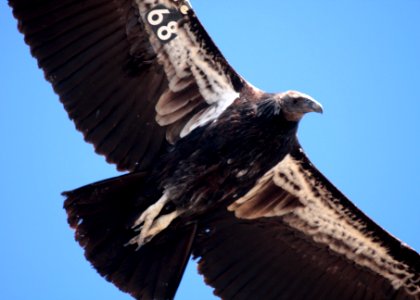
(214, 167)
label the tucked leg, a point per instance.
(149, 224)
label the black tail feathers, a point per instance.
(102, 214)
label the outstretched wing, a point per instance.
(132, 74)
(295, 236)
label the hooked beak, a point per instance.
(315, 106)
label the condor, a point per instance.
(215, 169)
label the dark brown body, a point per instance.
(233, 152)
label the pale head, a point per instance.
(295, 104)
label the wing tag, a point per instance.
(164, 22)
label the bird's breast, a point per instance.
(221, 168)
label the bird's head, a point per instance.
(295, 104)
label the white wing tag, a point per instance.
(164, 22)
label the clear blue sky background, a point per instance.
(359, 58)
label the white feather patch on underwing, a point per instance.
(318, 214)
(186, 62)
(264, 200)
(330, 223)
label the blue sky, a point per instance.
(360, 59)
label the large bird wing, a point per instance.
(295, 236)
(132, 74)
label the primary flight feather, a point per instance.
(215, 167)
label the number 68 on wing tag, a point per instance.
(164, 22)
